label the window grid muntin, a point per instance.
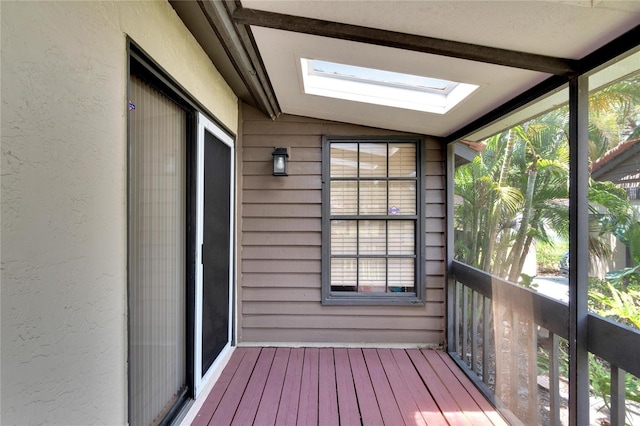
(358, 218)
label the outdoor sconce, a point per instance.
(280, 156)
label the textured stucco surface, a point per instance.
(63, 115)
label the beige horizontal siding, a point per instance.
(281, 210)
(335, 322)
(262, 168)
(280, 266)
(271, 238)
(433, 309)
(291, 182)
(282, 280)
(291, 253)
(280, 197)
(294, 293)
(280, 243)
(355, 337)
(263, 154)
(280, 224)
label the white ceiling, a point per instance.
(567, 29)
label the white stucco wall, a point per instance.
(63, 179)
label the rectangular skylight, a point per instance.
(380, 87)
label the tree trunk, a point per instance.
(495, 217)
(517, 254)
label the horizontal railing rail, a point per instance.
(474, 292)
(547, 312)
(615, 342)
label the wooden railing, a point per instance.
(545, 321)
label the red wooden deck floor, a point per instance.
(331, 386)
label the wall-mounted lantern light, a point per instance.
(280, 156)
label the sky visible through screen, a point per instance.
(380, 76)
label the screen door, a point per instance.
(214, 290)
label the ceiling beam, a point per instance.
(242, 53)
(624, 44)
(435, 46)
(520, 101)
(621, 45)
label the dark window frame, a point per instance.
(388, 298)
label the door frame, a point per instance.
(205, 124)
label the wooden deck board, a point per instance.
(425, 402)
(268, 408)
(388, 406)
(215, 396)
(326, 386)
(408, 408)
(308, 408)
(369, 408)
(231, 399)
(347, 401)
(482, 402)
(289, 401)
(466, 403)
(248, 406)
(327, 393)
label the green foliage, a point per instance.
(512, 194)
(622, 276)
(600, 382)
(599, 374)
(622, 306)
(610, 300)
(600, 379)
(548, 255)
(527, 281)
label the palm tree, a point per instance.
(515, 192)
(614, 115)
(523, 174)
(486, 205)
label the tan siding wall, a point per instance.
(280, 246)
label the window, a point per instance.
(372, 221)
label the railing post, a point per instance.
(465, 323)
(533, 372)
(457, 288)
(474, 332)
(514, 371)
(486, 333)
(617, 396)
(554, 380)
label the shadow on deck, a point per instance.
(338, 386)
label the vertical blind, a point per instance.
(157, 299)
(373, 216)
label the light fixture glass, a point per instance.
(280, 161)
(379, 87)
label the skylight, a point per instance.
(381, 87)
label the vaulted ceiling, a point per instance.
(511, 49)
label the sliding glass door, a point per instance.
(157, 249)
(180, 246)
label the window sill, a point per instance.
(362, 300)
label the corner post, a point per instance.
(451, 285)
(579, 251)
